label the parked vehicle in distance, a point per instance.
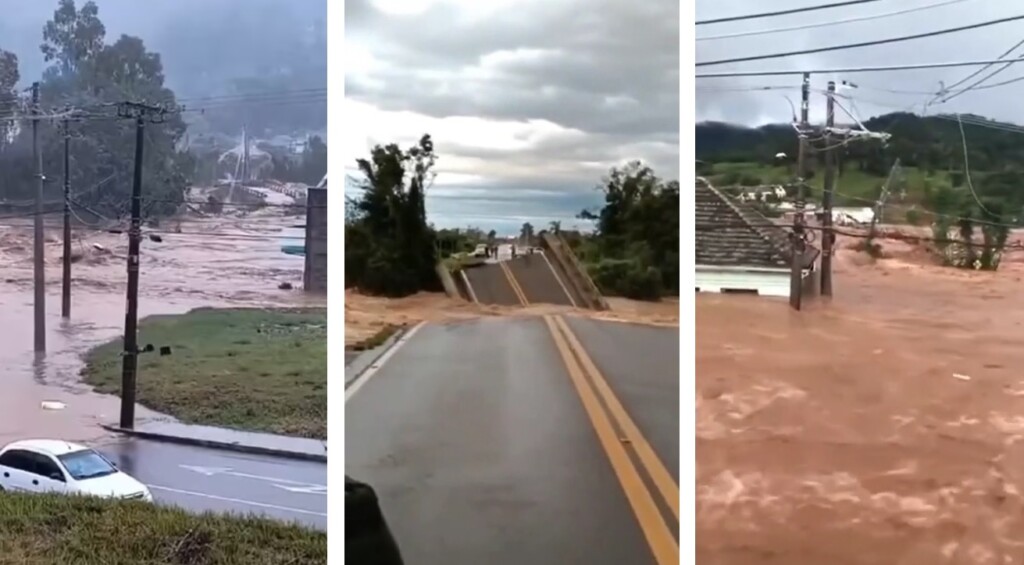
(49, 465)
(480, 251)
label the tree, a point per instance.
(391, 247)
(526, 232)
(8, 97)
(73, 37)
(87, 72)
(638, 233)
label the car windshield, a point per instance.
(86, 464)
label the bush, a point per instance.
(628, 278)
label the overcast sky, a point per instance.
(716, 102)
(529, 102)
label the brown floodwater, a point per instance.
(884, 427)
(228, 261)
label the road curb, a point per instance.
(229, 446)
(367, 358)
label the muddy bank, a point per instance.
(366, 315)
(885, 427)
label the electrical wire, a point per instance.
(782, 12)
(828, 23)
(862, 43)
(851, 70)
(967, 168)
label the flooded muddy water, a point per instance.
(885, 427)
(211, 262)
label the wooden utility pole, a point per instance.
(827, 235)
(798, 249)
(39, 258)
(65, 289)
(130, 355)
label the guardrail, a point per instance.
(577, 272)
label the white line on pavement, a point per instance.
(237, 500)
(372, 369)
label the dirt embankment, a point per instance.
(885, 427)
(366, 315)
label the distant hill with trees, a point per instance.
(933, 186)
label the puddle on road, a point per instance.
(219, 262)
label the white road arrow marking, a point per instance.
(210, 471)
(311, 489)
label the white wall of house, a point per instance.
(766, 282)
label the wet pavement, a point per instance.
(641, 364)
(536, 276)
(215, 437)
(481, 451)
(201, 479)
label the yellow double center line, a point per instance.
(592, 389)
(518, 290)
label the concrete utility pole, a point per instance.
(39, 258)
(827, 235)
(65, 289)
(130, 356)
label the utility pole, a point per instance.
(65, 290)
(39, 258)
(130, 355)
(245, 155)
(827, 235)
(797, 266)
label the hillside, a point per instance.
(930, 150)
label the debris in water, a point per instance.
(285, 286)
(961, 377)
(52, 405)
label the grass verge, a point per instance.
(92, 531)
(252, 369)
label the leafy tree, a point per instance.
(639, 224)
(526, 232)
(73, 37)
(87, 72)
(391, 247)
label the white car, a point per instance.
(48, 465)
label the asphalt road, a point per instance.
(538, 281)
(491, 285)
(478, 443)
(200, 479)
(641, 364)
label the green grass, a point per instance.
(251, 369)
(91, 531)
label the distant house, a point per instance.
(739, 250)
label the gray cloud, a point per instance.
(607, 68)
(716, 102)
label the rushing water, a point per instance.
(209, 262)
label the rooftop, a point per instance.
(731, 234)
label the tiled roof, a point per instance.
(731, 234)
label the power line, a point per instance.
(977, 83)
(981, 70)
(782, 12)
(851, 70)
(861, 44)
(828, 23)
